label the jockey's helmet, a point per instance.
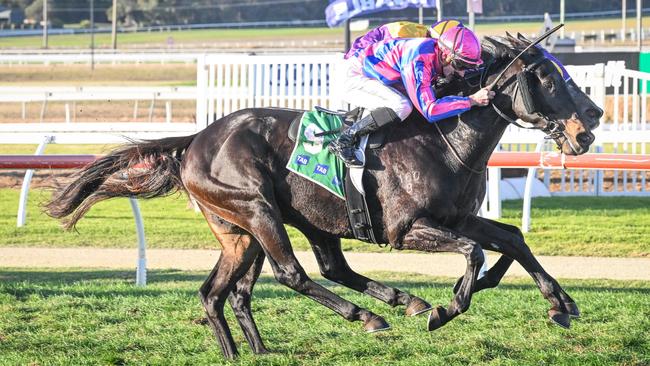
(438, 28)
(463, 46)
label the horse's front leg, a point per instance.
(511, 243)
(425, 236)
(493, 276)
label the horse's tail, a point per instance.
(143, 169)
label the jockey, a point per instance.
(414, 64)
(400, 30)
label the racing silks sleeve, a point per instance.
(418, 76)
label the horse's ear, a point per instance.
(522, 38)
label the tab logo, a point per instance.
(336, 181)
(321, 169)
(302, 160)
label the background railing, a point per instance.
(229, 82)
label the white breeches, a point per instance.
(362, 91)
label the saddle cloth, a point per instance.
(312, 160)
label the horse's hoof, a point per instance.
(573, 310)
(437, 318)
(375, 324)
(560, 318)
(261, 351)
(417, 306)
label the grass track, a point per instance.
(99, 317)
(603, 226)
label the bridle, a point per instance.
(553, 128)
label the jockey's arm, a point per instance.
(418, 76)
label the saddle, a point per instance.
(375, 140)
(355, 198)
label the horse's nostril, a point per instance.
(585, 138)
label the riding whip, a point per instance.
(533, 43)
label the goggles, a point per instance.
(461, 65)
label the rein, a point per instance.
(455, 153)
(552, 128)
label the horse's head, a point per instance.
(534, 91)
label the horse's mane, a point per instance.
(497, 49)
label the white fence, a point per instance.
(228, 82)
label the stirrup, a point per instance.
(353, 161)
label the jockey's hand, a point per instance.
(482, 97)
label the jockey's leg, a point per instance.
(386, 103)
(344, 144)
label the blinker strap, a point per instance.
(525, 81)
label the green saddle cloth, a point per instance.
(311, 158)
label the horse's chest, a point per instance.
(443, 195)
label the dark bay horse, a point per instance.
(425, 187)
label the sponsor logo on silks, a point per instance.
(336, 181)
(302, 159)
(321, 169)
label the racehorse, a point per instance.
(423, 188)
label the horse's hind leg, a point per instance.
(237, 256)
(334, 267)
(261, 218)
(240, 300)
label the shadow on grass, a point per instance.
(22, 283)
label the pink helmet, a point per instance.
(464, 46)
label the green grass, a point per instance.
(604, 226)
(103, 40)
(159, 39)
(86, 317)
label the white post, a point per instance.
(562, 18)
(528, 188)
(168, 111)
(45, 23)
(494, 209)
(141, 269)
(439, 10)
(471, 19)
(421, 15)
(24, 191)
(114, 26)
(67, 112)
(151, 107)
(639, 30)
(623, 16)
(201, 93)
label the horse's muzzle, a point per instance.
(577, 136)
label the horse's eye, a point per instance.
(548, 84)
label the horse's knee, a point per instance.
(476, 256)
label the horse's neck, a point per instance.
(475, 136)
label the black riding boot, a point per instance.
(343, 147)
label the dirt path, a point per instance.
(435, 265)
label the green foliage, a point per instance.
(96, 317)
(600, 226)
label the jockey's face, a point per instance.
(448, 70)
